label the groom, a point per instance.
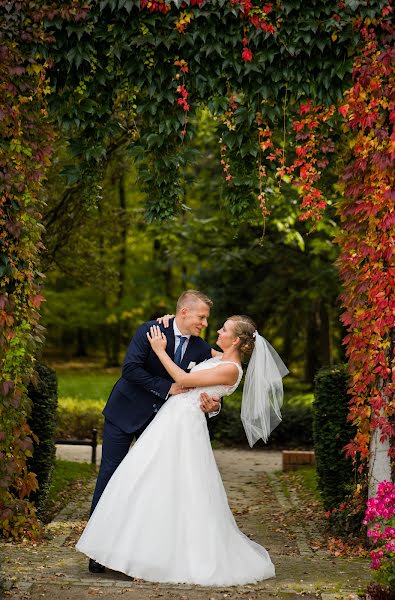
(145, 385)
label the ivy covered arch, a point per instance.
(293, 87)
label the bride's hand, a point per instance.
(165, 320)
(157, 339)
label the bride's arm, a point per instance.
(226, 374)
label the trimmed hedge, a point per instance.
(43, 393)
(332, 432)
(296, 429)
(76, 418)
(294, 432)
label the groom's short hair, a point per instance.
(192, 296)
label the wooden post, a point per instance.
(94, 446)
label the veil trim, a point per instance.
(263, 391)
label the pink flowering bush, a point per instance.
(380, 518)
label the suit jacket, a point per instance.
(144, 385)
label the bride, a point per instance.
(164, 516)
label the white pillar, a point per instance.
(379, 462)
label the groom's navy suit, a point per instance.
(138, 395)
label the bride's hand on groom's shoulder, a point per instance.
(156, 338)
(165, 320)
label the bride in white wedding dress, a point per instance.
(164, 515)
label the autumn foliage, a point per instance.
(367, 260)
(367, 214)
(251, 63)
(24, 155)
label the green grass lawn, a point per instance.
(86, 385)
(304, 479)
(68, 479)
(307, 477)
(96, 384)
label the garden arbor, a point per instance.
(295, 89)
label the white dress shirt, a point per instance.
(177, 340)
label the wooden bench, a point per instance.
(92, 442)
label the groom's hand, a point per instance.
(209, 404)
(176, 388)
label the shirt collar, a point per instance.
(178, 332)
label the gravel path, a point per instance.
(265, 508)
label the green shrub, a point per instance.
(76, 418)
(295, 430)
(332, 432)
(42, 392)
(227, 427)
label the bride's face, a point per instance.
(226, 336)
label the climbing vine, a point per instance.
(133, 72)
(367, 265)
(25, 152)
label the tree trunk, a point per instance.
(106, 336)
(324, 335)
(318, 347)
(81, 344)
(312, 362)
(288, 339)
(165, 273)
(123, 235)
(116, 339)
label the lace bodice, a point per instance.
(215, 390)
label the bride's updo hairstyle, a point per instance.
(244, 328)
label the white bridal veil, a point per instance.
(263, 391)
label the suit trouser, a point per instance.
(116, 444)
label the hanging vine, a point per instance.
(25, 153)
(100, 83)
(367, 260)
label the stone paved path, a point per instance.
(261, 504)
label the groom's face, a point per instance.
(194, 317)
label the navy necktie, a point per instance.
(178, 354)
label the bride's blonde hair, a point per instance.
(244, 328)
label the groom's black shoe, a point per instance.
(95, 567)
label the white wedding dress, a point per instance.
(164, 515)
